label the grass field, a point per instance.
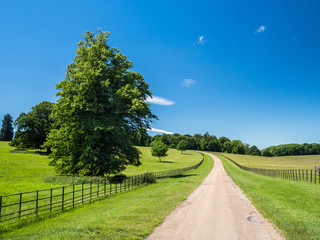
(130, 215)
(292, 206)
(174, 160)
(20, 172)
(287, 162)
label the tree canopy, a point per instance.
(101, 106)
(6, 132)
(159, 149)
(182, 146)
(33, 127)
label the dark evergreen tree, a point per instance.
(6, 132)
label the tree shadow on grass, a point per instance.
(183, 175)
(22, 151)
(166, 162)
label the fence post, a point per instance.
(20, 205)
(82, 192)
(105, 187)
(73, 196)
(37, 203)
(90, 190)
(50, 199)
(62, 199)
(315, 175)
(0, 206)
(98, 188)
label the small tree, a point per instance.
(159, 149)
(6, 132)
(182, 146)
(254, 150)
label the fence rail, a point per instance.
(301, 175)
(28, 205)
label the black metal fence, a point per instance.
(302, 175)
(27, 205)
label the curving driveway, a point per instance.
(217, 209)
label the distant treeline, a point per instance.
(204, 142)
(208, 142)
(292, 149)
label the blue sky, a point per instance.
(247, 70)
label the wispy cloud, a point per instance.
(188, 82)
(159, 131)
(261, 29)
(159, 101)
(201, 40)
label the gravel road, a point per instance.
(217, 209)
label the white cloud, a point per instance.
(159, 131)
(261, 29)
(159, 101)
(200, 40)
(188, 82)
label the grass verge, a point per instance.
(130, 215)
(292, 206)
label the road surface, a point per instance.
(217, 209)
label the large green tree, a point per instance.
(101, 105)
(33, 127)
(6, 132)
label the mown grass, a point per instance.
(21, 172)
(174, 160)
(130, 215)
(29, 171)
(286, 162)
(292, 206)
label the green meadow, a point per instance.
(286, 162)
(22, 171)
(292, 206)
(127, 215)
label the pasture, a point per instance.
(128, 215)
(29, 171)
(292, 206)
(285, 162)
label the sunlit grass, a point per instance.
(29, 171)
(129, 215)
(292, 206)
(286, 162)
(174, 160)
